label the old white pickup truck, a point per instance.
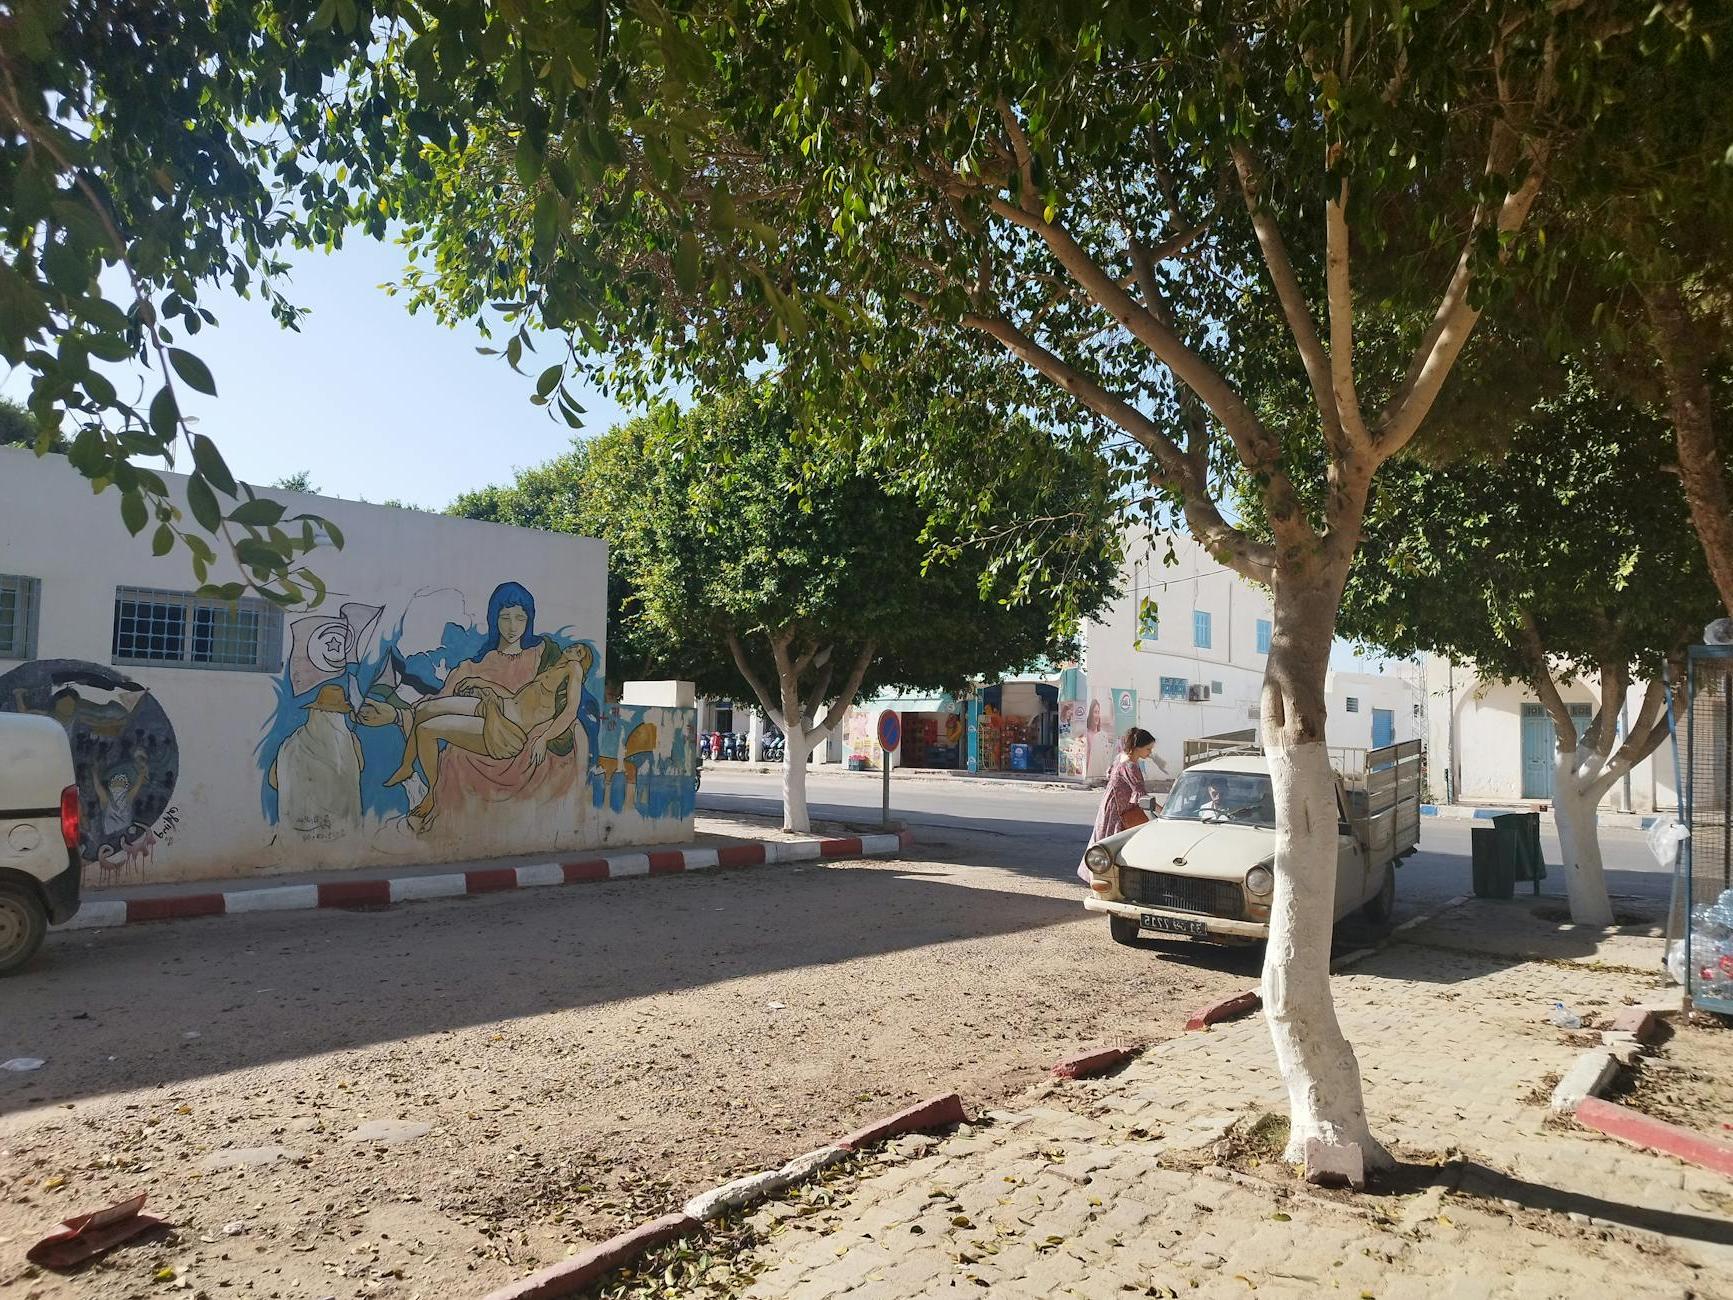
(1205, 866)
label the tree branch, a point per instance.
(1643, 739)
(816, 697)
(1254, 560)
(1292, 297)
(1339, 294)
(771, 707)
(851, 688)
(1564, 726)
(1455, 318)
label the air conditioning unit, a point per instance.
(1197, 694)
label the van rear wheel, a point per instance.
(23, 922)
(1123, 929)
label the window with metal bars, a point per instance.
(173, 629)
(18, 601)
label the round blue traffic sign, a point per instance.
(890, 730)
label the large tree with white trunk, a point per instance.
(1119, 197)
(1570, 558)
(757, 559)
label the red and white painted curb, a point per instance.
(1645, 1131)
(383, 892)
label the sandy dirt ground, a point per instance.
(437, 1098)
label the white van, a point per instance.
(39, 860)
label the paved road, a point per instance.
(573, 1059)
(1043, 830)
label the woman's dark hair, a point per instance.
(1136, 739)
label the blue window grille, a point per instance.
(1173, 688)
(1200, 629)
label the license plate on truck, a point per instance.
(1172, 925)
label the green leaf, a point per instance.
(257, 513)
(133, 513)
(194, 371)
(164, 540)
(203, 503)
(528, 162)
(164, 413)
(686, 268)
(549, 380)
(209, 462)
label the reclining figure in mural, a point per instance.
(480, 717)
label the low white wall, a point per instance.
(197, 771)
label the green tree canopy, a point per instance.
(759, 562)
(1572, 556)
(18, 428)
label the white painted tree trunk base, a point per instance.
(1316, 1062)
(1576, 813)
(794, 754)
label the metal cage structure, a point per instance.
(1706, 857)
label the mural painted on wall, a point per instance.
(445, 716)
(123, 751)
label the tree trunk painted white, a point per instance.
(1576, 813)
(797, 746)
(1317, 1064)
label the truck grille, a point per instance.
(1183, 893)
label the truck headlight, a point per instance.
(1260, 880)
(1098, 859)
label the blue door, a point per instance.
(1540, 745)
(1383, 728)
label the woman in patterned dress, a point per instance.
(1125, 790)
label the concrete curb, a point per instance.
(386, 891)
(569, 1277)
(1652, 1134)
(1466, 812)
(751, 1189)
(1591, 1075)
(1086, 1065)
(584, 1269)
(935, 1112)
(1229, 1008)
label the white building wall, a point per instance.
(177, 761)
(1121, 656)
(1475, 733)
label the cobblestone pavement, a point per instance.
(1111, 1187)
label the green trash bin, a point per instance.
(1494, 865)
(1519, 841)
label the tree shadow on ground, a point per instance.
(146, 1005)
(1474, 1179)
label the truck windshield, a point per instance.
(1243, 798)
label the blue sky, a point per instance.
(373, 401)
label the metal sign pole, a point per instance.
(890, 731)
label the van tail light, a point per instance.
(69, 816)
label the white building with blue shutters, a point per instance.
(1492, 742)
(1181, 653)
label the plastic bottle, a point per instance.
(1564, 1017)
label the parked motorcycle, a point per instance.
(743, 747)
(704, 745)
